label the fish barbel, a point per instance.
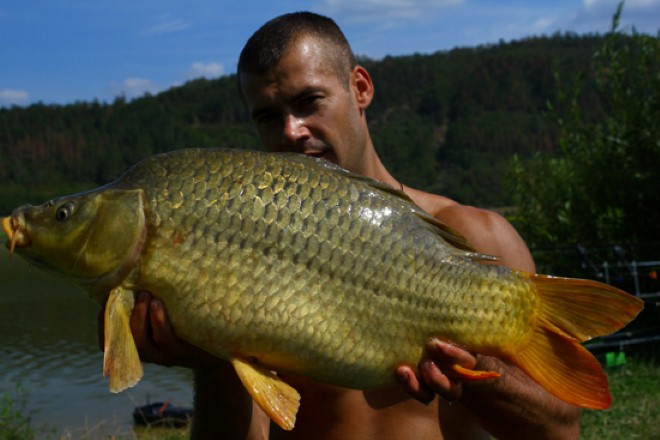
(291, 264)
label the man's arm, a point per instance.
(512, 406)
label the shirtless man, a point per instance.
(306, 94)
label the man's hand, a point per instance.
(222, 406)
(435, 376)
(155, 338)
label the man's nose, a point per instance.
(295, 130)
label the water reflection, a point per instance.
(48, 344)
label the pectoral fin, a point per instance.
(120, 357)
(277, 398)
(467, 375)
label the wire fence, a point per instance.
(630, 267)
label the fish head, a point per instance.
(87, 237)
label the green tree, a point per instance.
(445, 122)
(603, 185)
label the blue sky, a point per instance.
(62, 51)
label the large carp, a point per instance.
(287, 263)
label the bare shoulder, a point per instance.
(488, 232)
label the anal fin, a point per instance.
(121, 361)
(277, 398)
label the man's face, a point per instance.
(302, 106)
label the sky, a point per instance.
(65, 51)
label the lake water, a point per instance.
(48, 345)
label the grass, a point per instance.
(14, 417)
(634, 413)
(16, 424)
(148, 433)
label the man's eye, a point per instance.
(310, 100)
(265, 118)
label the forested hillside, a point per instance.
(448, 122)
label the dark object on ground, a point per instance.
(162, 414)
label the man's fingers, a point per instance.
(436, 373)
(445, 355)
(438, 381)
(153, 333)
(161, 330)
(139, 327)
(155, 337)
(411, 384)
(172, 350)
(142, 330)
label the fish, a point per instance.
(282, 263)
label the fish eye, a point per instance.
(64, 212)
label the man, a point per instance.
(306, 94)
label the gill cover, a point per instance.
(86, 236)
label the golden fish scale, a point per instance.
(311, 271)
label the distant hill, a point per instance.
(447, 122)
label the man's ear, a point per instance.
(363, 87)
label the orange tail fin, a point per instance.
(573, 311)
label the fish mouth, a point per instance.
(14, 228)
(322, 154)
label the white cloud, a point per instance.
(134, 87)
(209, 71)
(167, 27)
(13, 97)
(417, 4)
(611, 5)
(597, 15)
(378, 10)
(541, 25)
(590, 3)
(642, 3)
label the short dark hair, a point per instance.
(269, 43)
